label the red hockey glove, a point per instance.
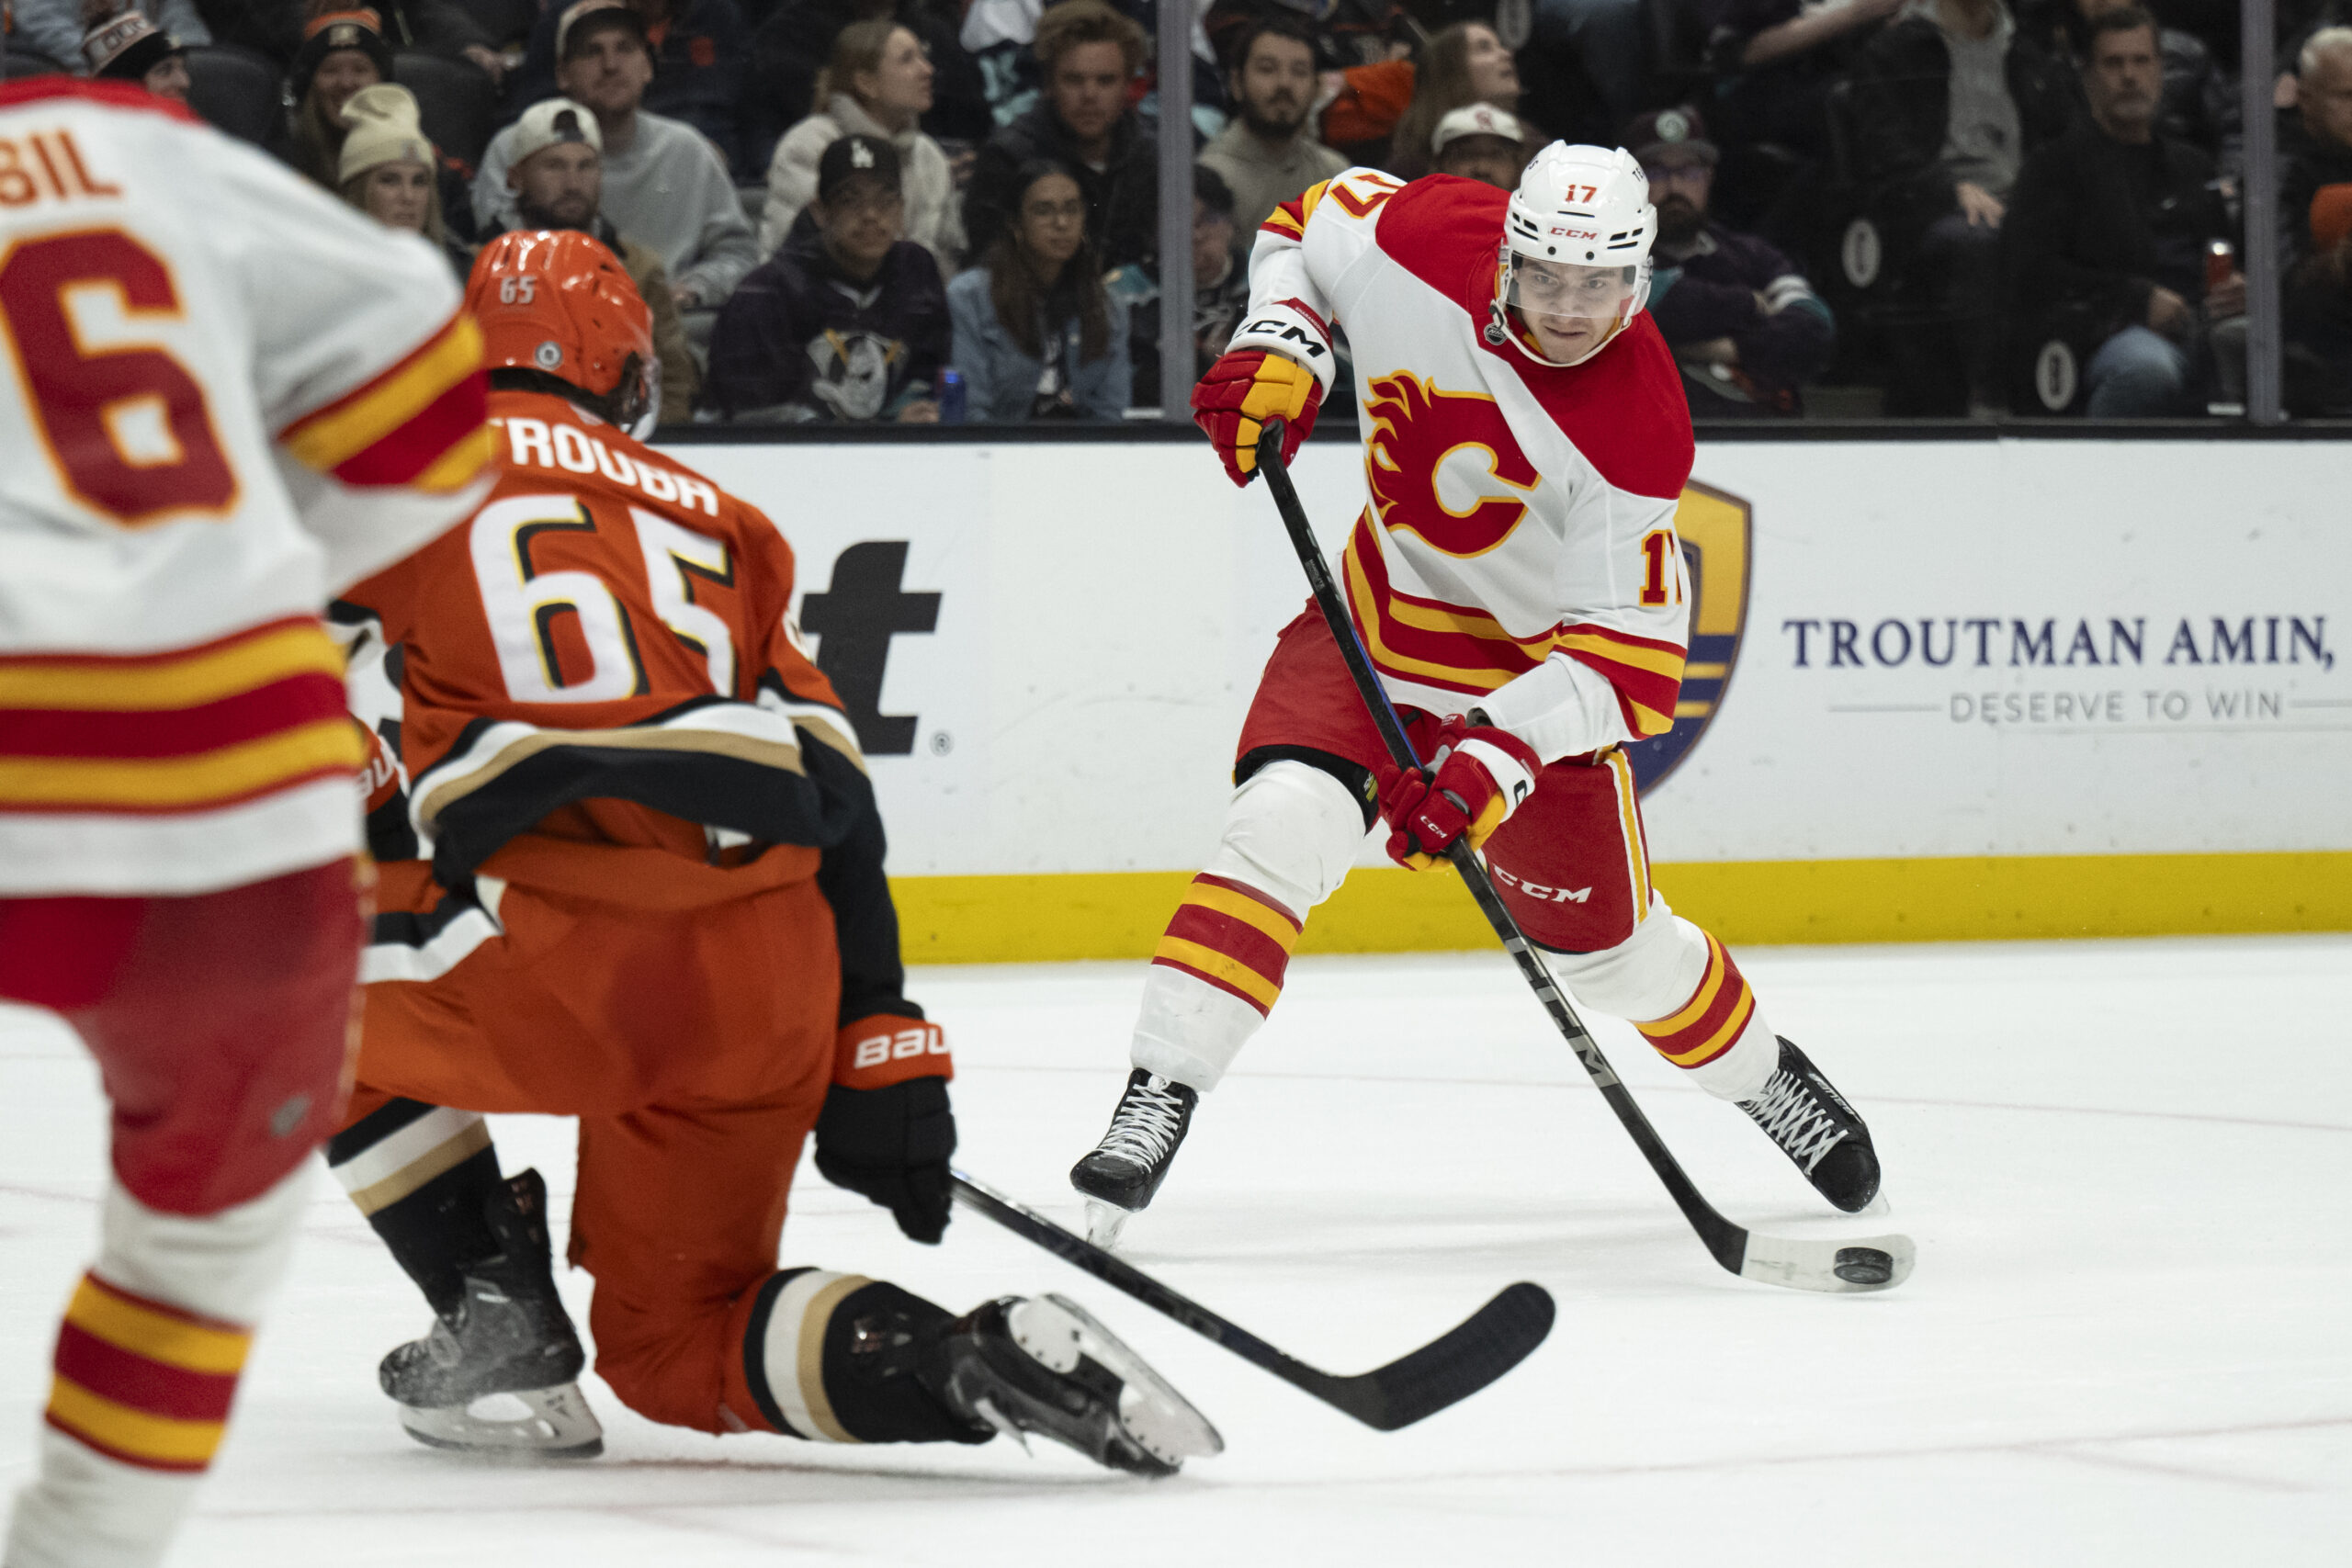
(1245, 388)
(1480, 776)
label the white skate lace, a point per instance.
(1144, 1126)
(1793, 1119)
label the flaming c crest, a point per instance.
(1443, 466)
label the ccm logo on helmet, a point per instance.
(927, 1041)
(1575, 234)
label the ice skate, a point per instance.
(1815, 1127)
(1045, 1365)
(1128, 1166)
(498, 1374)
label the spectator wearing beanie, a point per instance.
(343, 51)
(122, 45)
(391, 172)
(1034, 335)
(878, 84)
(60, 29)
(849, 321)
(559, 183)
(664, 184)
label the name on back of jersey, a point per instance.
(48, 166)
(535, 444)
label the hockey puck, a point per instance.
(1863, 1266)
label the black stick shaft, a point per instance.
(1726, 1240)
(1028, 1223)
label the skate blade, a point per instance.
(1105, 1223)
(538, 1423)
(1163, 1423)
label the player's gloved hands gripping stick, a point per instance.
(1243, 391)
(886, 1130)
(1478, 776)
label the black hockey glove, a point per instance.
(892, 1144)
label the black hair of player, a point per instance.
(623, 406)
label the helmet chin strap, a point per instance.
(1506, 324)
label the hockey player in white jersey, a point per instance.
(1516, 581)
(225, 397)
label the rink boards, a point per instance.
(1937, 689)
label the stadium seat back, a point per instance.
(456, 98)
(15, 64)
(234, 88)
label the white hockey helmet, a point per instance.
(1580, 207)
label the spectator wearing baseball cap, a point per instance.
(61, 30)
(1480, 141)
(664, 184)
(699, 50)
(1743, 324)
(123, 45)
(343, 51)
(558, 182)
(849, 321)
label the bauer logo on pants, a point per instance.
(1714, 527)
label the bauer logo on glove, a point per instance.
(1244, 390)
(1478, 777)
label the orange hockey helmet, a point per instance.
(557, 302)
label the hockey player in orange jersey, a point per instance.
(224, 397)
(1516, 581)
(651, 897)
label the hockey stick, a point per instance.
(1449, 1369)
(1871, 1263)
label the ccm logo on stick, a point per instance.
(928, 1041)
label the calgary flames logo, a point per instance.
(1443, 466)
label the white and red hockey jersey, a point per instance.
(223, 396)
(1517, 552)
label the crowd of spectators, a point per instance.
(921, 209)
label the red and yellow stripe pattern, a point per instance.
(1232, 936)
(142, 1382)
(1711, 1023)
(1458, 649)
(1290, 219)
(422, 423)
(198, 729)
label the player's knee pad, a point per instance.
(221, 1265)
(1291, 832)
(1648, 975)
(834, 1357)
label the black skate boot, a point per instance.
(1814, 1125)
(1045, 1365)
(498, 1374)
(1128, 1166)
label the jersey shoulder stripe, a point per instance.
(419, 422)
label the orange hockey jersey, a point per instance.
(607, 639)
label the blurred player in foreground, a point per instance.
(227, 396)
(654, 901)
(1517, 583)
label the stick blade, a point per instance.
(1869, 1263)
(1452, 1367)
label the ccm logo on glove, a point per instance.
(1477, 778)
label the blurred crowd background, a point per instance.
(917, 210)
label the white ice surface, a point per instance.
(2127, 1164)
